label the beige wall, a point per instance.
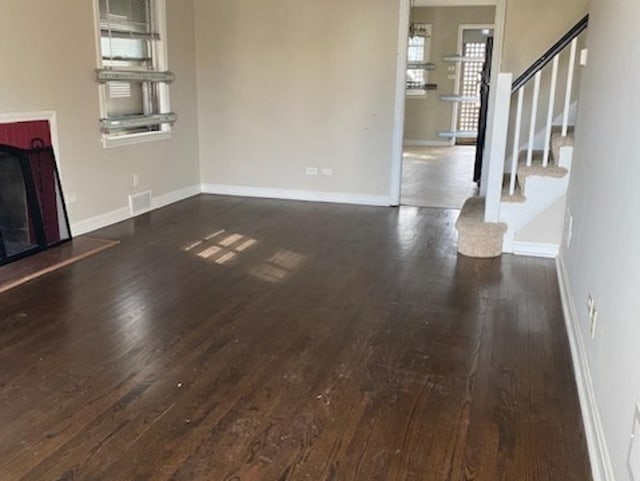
(286, 84)
(602, 259)
(283, 85)
(532, 26)
(48, 59)
(426, 116)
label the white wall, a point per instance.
(48, 57)
(604, 199)
(286, 84)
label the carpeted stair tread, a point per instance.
(478, 238)
(536, 168)
(518, 196)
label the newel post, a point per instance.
(497, 147)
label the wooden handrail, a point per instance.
(548, 56)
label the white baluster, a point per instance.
(567, 99)
(516, 143)
(552, 101)
(534, 115)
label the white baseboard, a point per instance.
(104, 220)
(601, 467)
(175, 196)
(536, 249)
(428, 143)
(99, 221)
(292, 194)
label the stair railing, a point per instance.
(503, 128)
(534, 73)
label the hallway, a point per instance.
(437, 176)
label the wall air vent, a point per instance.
(140, 203)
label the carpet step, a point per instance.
(477, 238)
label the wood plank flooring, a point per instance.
(228, 339)
(438, 176)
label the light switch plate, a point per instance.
(584, 57)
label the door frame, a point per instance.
(455, 109)
(395, 187)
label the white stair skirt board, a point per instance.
(536, 249)
(601, 467)
(293, 194)
(104, 220)
(428, 143)
(541, 193)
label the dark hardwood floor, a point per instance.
(228, 339)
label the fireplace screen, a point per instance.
(32, 211)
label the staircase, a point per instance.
(523, 187)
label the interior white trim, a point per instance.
(601, 467)
(104, 220)
(49, 115)
(536, 249)
(395, 186)
(175, 196)
(292, 194)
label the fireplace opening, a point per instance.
(33, 215)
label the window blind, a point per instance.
(127, 17)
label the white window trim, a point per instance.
(162, 55)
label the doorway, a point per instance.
(442, 111)
(436, 146)
(474, 47)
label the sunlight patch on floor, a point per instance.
(279, 267)
(221, 251)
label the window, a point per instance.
(132, 71)
(418, 56)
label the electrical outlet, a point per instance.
(312, 171)
(327, 171)
(136, 180)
